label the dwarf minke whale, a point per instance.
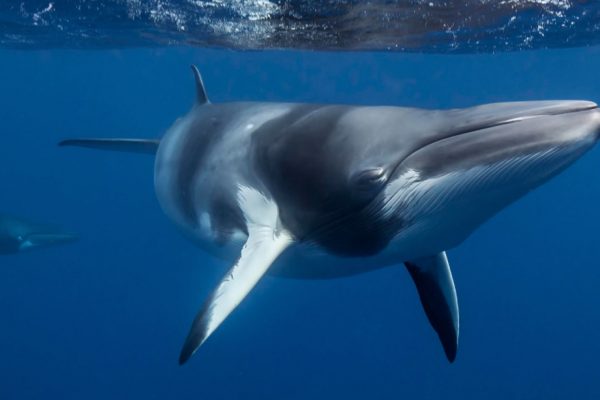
(321, 191)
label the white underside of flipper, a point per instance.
(266, 241)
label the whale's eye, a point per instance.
(369, 179)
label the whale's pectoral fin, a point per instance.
(435, 285)
(261, 249)
(266, 241)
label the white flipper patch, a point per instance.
(266, 241)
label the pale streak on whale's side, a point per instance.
(322, 191)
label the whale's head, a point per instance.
(473, 162)
(355, 180)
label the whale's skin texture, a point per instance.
(360, 188)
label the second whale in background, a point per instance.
(18, 235)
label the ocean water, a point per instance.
(105, 317)
(440, 26)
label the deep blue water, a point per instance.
(105, 317)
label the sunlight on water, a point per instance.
(416, 25)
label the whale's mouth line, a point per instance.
(519, 119)
(488, 125)
(482, 126)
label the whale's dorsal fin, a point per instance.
(266, 241)
(435, 285)
(201, 97)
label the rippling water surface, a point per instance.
(410, 25)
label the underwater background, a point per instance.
(105, 317)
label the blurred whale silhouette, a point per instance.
(17, 235)
(322, 191)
